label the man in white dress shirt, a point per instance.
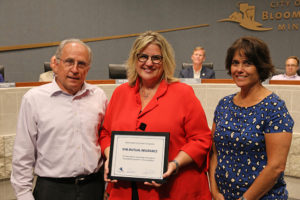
(291, 68)
(49, 75)
(46, 76)
(57, 133)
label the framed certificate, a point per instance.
(138, 156)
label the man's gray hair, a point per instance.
(72, 40)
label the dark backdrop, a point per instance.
(40, 21)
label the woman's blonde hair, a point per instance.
(168, 61)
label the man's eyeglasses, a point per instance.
(69, 62)
(292, 65)
(156, 59)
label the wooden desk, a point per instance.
(284, 82)
(212, 81)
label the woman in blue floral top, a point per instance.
(252, 130)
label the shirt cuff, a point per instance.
(25, 196)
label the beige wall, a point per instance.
(208, 94)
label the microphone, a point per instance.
(143, 126)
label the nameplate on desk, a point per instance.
(7, 85)
(138, 156)
(190, 80)
(121, 81)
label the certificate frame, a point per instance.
(138, 156)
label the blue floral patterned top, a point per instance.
(240, 143)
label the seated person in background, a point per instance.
(197, 70)
(291, 67)
(49, 75)
(1, 78)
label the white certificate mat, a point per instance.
(138, 156)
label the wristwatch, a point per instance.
(177, 166)
(243, 198)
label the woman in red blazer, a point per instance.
(154, 98)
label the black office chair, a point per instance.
(47, 67)
(117, 71)
(2, 71)
(209, 65)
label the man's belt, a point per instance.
(81, 179)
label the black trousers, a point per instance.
(47, 189)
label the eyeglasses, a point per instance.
(156, 59)
(292, 65)
(70, 62)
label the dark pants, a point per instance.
(54, 189)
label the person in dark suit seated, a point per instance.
(1, 78)
(197, 70)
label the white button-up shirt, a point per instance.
(57, 135)
(285, 77)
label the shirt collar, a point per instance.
(56, 90)
(291, 77)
